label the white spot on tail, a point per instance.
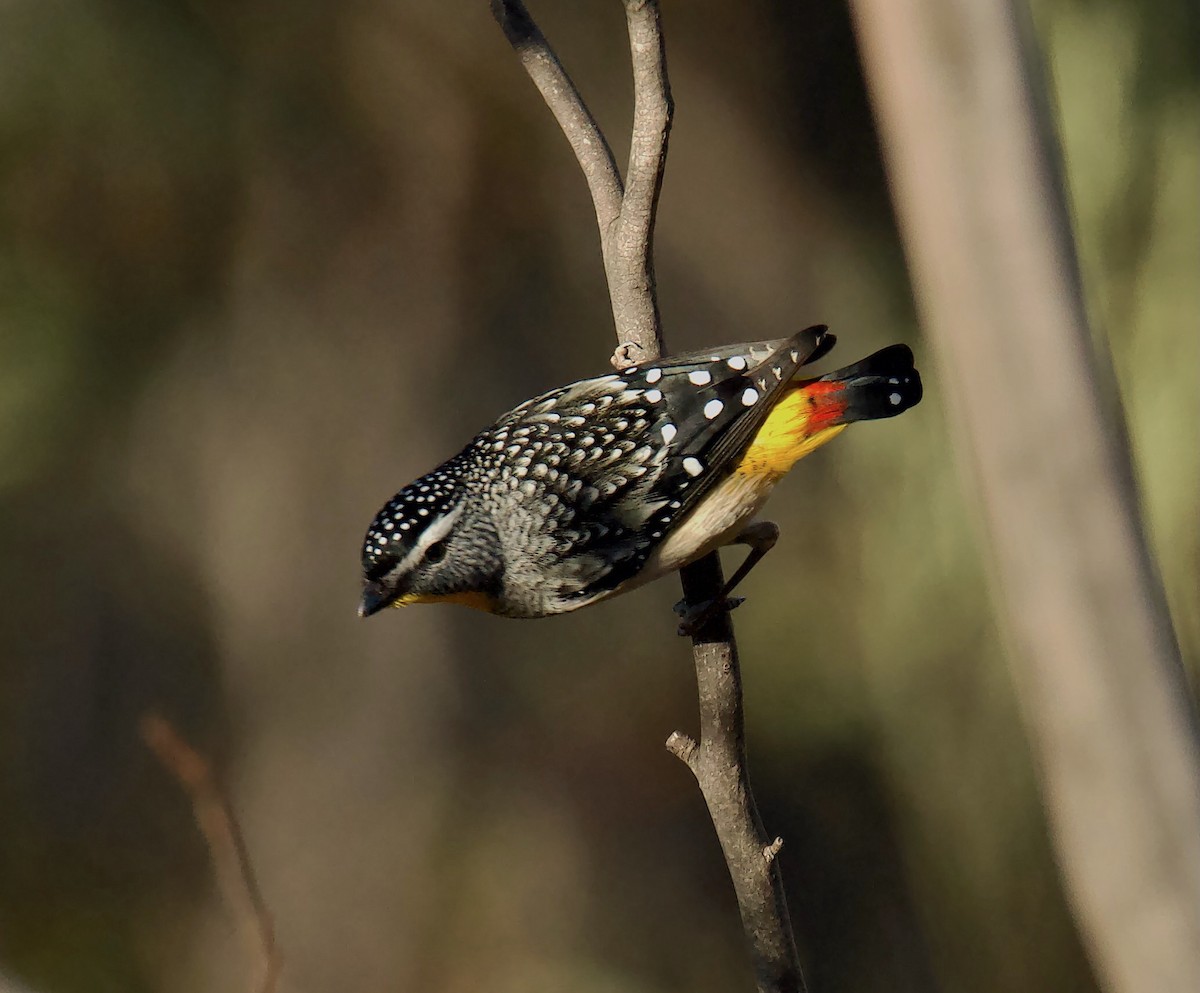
(894, 399)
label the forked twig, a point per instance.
(625, 214)
(624, 211)
(226, 846)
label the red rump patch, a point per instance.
(827, 405)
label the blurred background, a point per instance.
(263, 263)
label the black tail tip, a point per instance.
(881, 385)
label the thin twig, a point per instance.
(629, 259)
(975, 172)
(226, 846)
(587, 140)
(624, 216)
(718, 761)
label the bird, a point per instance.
(601, 486)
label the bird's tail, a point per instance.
(815, 411)
(881, 385)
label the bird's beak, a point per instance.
(374, 599)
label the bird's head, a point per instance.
(422, 548)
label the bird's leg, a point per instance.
(761, 537)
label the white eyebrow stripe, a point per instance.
(437, 530)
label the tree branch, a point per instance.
(226, 846)
(719, 764)
(718, 761)
(974, 164)
(587, 140)
(625, 217)
(629, 260)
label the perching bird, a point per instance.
(606, 484)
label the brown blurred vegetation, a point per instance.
(262, 263)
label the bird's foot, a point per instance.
(693, 618)
(628, 353)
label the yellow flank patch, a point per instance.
(785, 437)
(473, 599)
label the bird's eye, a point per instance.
(435, 552)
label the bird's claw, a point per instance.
(626, 355)
(694, 618)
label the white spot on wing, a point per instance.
(750, 396)
(692, 466)
(653, 376)
(668, 433)
(737, 363)
(894, 399)
(653, 396)
(701, 377)
(713, 408)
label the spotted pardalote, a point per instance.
(601, 486)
